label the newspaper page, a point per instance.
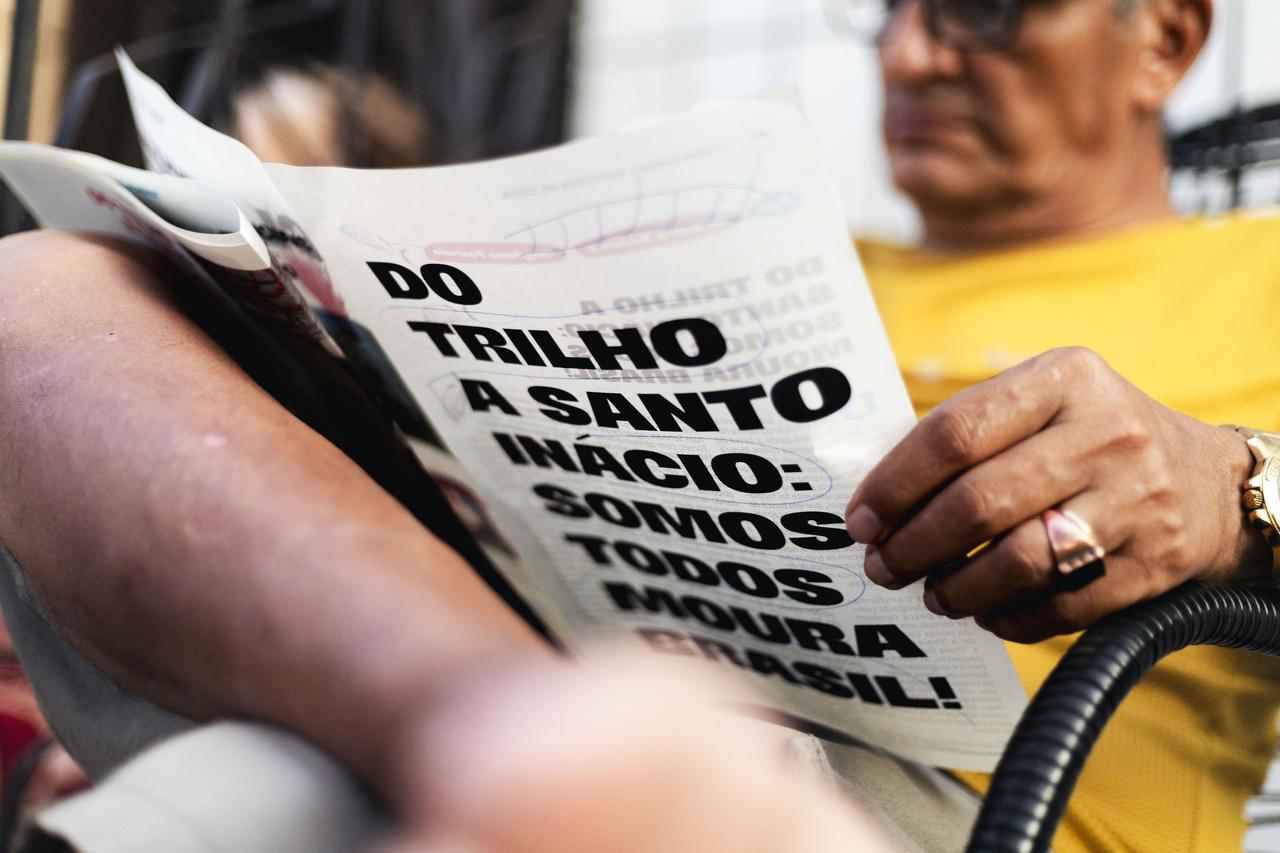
(180, 218)
(658, 359)
(298, 278)
(294, 283)
(657, 366)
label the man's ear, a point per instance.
(1173, 32)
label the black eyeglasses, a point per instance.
(969, 25)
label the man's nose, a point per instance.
(908, 51)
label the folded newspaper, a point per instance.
(647, 370)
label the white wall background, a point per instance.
(637, 59)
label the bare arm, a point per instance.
(195, 540)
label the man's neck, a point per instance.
(1131, 193)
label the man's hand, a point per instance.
(629, 756)
(1161, 490)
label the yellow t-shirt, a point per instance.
(1189, 311)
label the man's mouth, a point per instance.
(937, 114)
(914, 125)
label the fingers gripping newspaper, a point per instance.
(647, 368)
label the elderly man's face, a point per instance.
(974, 130)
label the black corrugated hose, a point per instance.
(1038, 771)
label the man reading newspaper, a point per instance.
(204, 550)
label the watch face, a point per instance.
(1271, 484)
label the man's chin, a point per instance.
(946, 184)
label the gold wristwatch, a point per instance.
(1261, 492)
